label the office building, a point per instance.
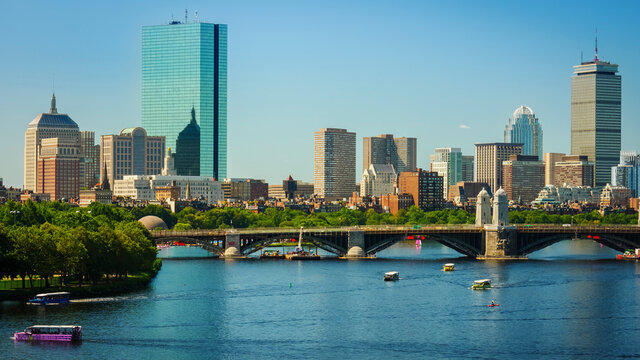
(45, 126)
(334, 168)
(465, 192)
(424, 186)
(184, 68)
(550, 160)
(131, 152)
(524, 128)
(489, 158)
(627, 172)
(291, 191)
(378, 180)
(467, 168)
(615, 196)
(58, 168)
(243, 189)
(143, 187)
(522, 177)
(385, 149)
(89, 160)
(574, 170)
(187, 156)
(596, 115)
(447, 162)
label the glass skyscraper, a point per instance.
(596, 115)
(523, 128)
(184, 67)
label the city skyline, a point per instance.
(281, 93)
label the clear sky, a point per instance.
(449, 73)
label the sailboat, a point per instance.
(299, 253)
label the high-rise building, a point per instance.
(334, 169)
(378, 180)
(243, 189)
(524, 128)
(184, 67)
(596, 115)
(489, 158)
(574, 170)
(447, 162)
(467, 168)
(424, 186)
(522, 177)
(627, 172)
(550, 160)
(45, 126)
(131, 152)
(58, 168)
(89, 160)
(385, 149)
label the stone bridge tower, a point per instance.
(483, 208)
(500, 208)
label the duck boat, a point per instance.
(64, 333)
(391, 276)
(481, 284)
(50, 298)
(448, 267)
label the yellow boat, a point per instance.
(448, 267)
(481, 284)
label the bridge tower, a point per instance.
(499, 237)
(483, 208)
(500, 208)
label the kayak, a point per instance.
(492, 305)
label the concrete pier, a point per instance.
(232, 247)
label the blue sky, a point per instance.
(411, 68)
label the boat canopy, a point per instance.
(449, 264)
(483, 281)
(53, 294)
(391, 273)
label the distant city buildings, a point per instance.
(378, 180)
(467, 168)
(424, 186)
(522, 177)
(615, 196)
(46, 126)
(524, 128)
(574, 170)
(489, 158)
(89, 160)
(627, 172)
(143, 187)
(558, 195)
(58, 168)
(447, 162)
(131, 152)
(464, 193)
(596, 115)
(291, 189)
(184, 76)
(385, 149)
(550, 160)
(243, 189)
(334, 168)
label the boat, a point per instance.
(492, 305)
(448, 267)
(64, 333)
(391, 276)
(271, 254)
(50, 298)
(481, 284)
(629, 254)
(299, 253)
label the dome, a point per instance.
(523, 110)
(355, 251)
(152, 222)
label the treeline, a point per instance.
(91, 244)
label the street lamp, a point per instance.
(14, 212)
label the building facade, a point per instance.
(184, 67)
(574, 170)
(524, 128)
(447, 162)
(286, 191)
(627, 172)
(131, 152)
(523, 177)
(89, 160)
(142, 187)
(596, 115)
(465, 192)
(58, 169)
(385, 149)
(550, 160)
(424, 186)
(334, 168)
(378, 180)
(489, 158)
(242, 189)
(467, 168)
(45, 126)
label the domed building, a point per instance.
(524, 128)
(152, 222)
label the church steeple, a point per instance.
(105, 180)
(53, 109)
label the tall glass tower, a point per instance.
(184, 67)
(524, 128)
(596, 115)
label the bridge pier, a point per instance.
(232, 246)
(500, 243)
(356, 245)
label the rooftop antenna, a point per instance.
(596, 59)
(196, 17)
(185, 17)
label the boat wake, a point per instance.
(109, 299)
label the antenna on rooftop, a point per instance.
(196, 19)
(596, 59)
(185, 16)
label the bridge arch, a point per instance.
(611, 241)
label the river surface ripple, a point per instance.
(569, 301)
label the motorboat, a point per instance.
(391, 276)
(300, 254)
(64, 333)
(271, 254)
(448, 267)
(481, 284)
(50, 298)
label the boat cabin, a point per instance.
(50, 298)
(391, 276)
(448, 267)
(481, 284)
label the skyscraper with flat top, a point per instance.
(596, 115)
(334, 169)
(384, 149)
(184, 68)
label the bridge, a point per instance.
(480, 242)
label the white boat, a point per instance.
(481, 284)
(391, 276)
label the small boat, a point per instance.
(448, 267)
(629, 254)
(481, 284)
(50, 298)
(65, 333)
(271, 254)
(492, 305)
(299, 253)
(391, 276)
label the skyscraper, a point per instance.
(596, 115)
(523, 128)
(447, 162)
(384, 149)
(184, 67)
(489, 158)
(334, 170)
(89, 160)
(467, 168)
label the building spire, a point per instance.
(193, 115)
(596, 59)
(53, 109)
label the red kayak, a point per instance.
(492, 305)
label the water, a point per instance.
(570, 301)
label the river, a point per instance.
(570, 300)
